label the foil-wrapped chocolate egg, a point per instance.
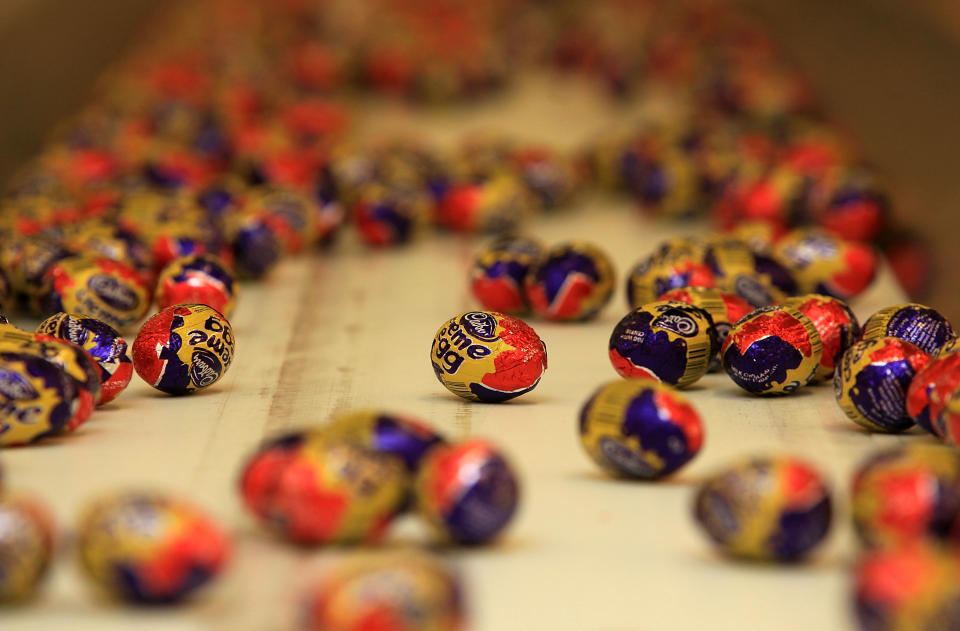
(467, 492)
(387, 214)
(872, 379)
(289, 214)
(102, 342)
(26, 547)
(100, 288)
(773, 350)
(311, 489)
(105, 239)
(918, 324)
(672, 342)
(197, 279)
(499, 203)
(150, 548)
(487, 356)
(254, 244)
(393, 591)
(37, 398)
(765, 508)
(184, 348)
(499, 271)
(72, 359)
(930, 389)
(25, 262)
(571, 281)
(905, 494)
(825, 264)
(916, 586)
(668, 185)
(640, 429)
(857, 210)
(551, 177)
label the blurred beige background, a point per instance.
(50, 52)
